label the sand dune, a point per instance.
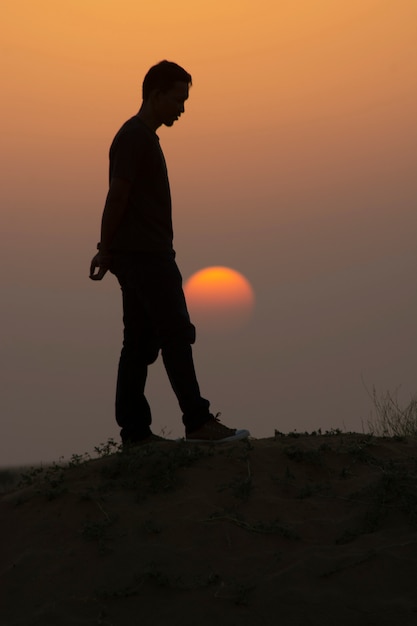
(293, 530)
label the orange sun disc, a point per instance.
(219, 298)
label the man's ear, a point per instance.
(154, 94)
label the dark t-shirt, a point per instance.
(136, 156)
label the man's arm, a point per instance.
(114, 209)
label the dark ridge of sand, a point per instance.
(293, 530)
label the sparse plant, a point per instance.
(150, 470)
(78, 459)
(30, 476)
(7, 479)
(165, 433)
(392, 419)
(54, 482)
(333, 432)
(49, 480)
(294, 434)
(109, 447)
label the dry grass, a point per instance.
(392, 418)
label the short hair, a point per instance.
(162, 76)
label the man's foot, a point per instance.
(214, 431)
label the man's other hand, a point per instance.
(101, 263)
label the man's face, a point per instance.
(169, 105)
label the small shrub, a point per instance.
(392, 419)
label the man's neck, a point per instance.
(146, 116)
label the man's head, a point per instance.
(165, 90)
(162, 77)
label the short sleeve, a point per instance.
(127, 155)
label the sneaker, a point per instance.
(214, 431)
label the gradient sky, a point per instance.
(294, 164)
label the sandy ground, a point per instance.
(293, 530)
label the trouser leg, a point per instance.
(160, 320)
(176, 334)
(179, 365)
(133, 413)
(140, 348)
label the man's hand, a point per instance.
(100, 262)
(114, 210)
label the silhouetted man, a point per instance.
(136, 245)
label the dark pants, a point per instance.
(155, 318)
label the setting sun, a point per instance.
(219, 298)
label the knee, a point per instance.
(151, 354)
(184, 334)
(145, 351)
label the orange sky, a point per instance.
(280, 77)
(261, 63)
(294, 164)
